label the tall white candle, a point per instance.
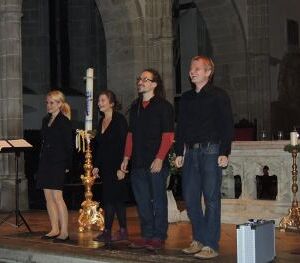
(89, 99)
(294, 138)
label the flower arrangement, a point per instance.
(289, 148)
(171, 157)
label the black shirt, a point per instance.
(108, 153)
(147, 126)
(205, 116)
(57, 140)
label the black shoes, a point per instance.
(61, 240)
(105, 236)
(45, 237)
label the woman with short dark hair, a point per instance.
(109, 146)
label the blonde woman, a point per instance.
(55, 162)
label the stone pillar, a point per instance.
(141, 37)
(159, 41)
(122, 23)
(11, 101)
(259, 68)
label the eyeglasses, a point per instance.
(144, 80)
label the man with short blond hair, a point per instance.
(202, 145)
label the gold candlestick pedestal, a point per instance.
(89, 214)
(292, 220)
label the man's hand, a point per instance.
(179, 161)
(95, 172)
(222, 161)
(120, 175)
(156, 165)
(124, 165)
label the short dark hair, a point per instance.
(112, 99)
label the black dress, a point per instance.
(56, 152)
(109, 152)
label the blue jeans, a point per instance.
(150, 194)
(203, 176)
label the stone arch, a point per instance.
(123, 27)
(229, 44)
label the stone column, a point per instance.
(122, 23)
(11, 101)
(159, 40)
(259, 67)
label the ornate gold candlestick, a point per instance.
(292, 220)
(88, 214)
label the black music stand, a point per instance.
(15, 146)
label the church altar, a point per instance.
(247, 160)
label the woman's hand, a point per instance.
(223, 161)
(95, 172)
(124, 165)
(120, 175)
(179, 161)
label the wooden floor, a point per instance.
(179, 236)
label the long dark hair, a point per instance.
(112, 99)
(159, 91)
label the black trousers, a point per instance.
(110, 209)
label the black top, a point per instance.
(109, 151)
(147, 126)
(56, 152)
(205, 116)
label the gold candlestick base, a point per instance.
(292, 220)
(89, 214)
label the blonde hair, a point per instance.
(60, 97)
(208, 63)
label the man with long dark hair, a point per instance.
(149, 139)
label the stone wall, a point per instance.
(35, 47)
(35, 60)
(228, 41)
(138, 35)
(258, 54)
(82, 45)
(239, 35)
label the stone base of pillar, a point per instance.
(238, 211)
(7, 196)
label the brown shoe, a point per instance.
(155, 244)
(207, 253)
(194, 248)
